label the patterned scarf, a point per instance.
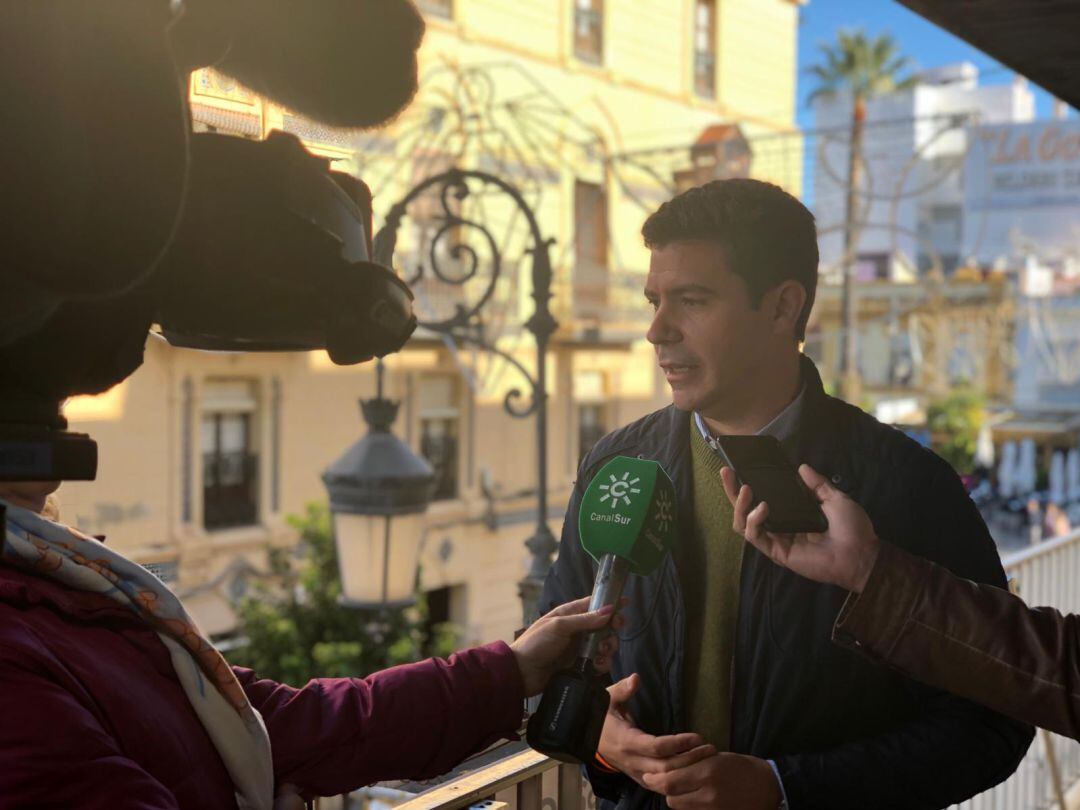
(56, 552)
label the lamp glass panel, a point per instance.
(361, 542)
(406, 533)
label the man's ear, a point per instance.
(787, 300)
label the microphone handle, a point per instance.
(607, 590)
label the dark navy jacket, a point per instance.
(844, 732)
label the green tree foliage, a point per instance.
(954, 422)
(297, 629)
(865, 67)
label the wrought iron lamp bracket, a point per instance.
(466, 325)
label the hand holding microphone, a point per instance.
(553, 638)
(626, 522)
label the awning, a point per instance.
(1038, 425)
(1036, 38)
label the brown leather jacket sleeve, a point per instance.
(976, 641)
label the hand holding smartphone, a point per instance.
(759, 462)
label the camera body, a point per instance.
(116, 217)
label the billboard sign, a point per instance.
(1022, 189)
(1024, 166)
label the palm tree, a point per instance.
(863, 68)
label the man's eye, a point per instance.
(693, 302)
(652, 303)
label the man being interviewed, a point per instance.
(739, 700)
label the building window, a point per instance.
(589, 30)
(590, 225)
(705, 48)
(591, 282)
(438, 8)
(187, 460)
(442, 630)
(439, 445)
(439, 432)
(592, 427)
(591, 397)
(230, 462)
(275, 444)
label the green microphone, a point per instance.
(626, 523)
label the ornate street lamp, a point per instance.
(379, 490)
(450, 191)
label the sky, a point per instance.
(927, 45)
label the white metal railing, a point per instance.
(1046, 574)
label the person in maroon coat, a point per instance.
(103, 679)
(109, 695)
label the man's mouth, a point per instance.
(673, 369)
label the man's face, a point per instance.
(710, 342)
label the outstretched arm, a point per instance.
(932, 625)
(970, 746)
(417, 720)
(942, 629)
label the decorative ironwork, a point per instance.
(479, 270)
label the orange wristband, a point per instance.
(604, 765)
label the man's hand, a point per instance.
(718, 782)
(633, 752)
(551, 641)
(844, 555)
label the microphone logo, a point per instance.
(665, 512)
(619, 489)
(629, 511)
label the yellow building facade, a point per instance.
(204, 455)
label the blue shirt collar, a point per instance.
(783, 427)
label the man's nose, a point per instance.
(661, 330)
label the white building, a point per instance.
(911, 198)
(1048, 354)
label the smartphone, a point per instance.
(760, 463)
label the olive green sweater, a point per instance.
(709, 569)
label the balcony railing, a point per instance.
(525, 781)
(1048, 574)
(591, 291)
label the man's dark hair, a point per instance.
(766, 234)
